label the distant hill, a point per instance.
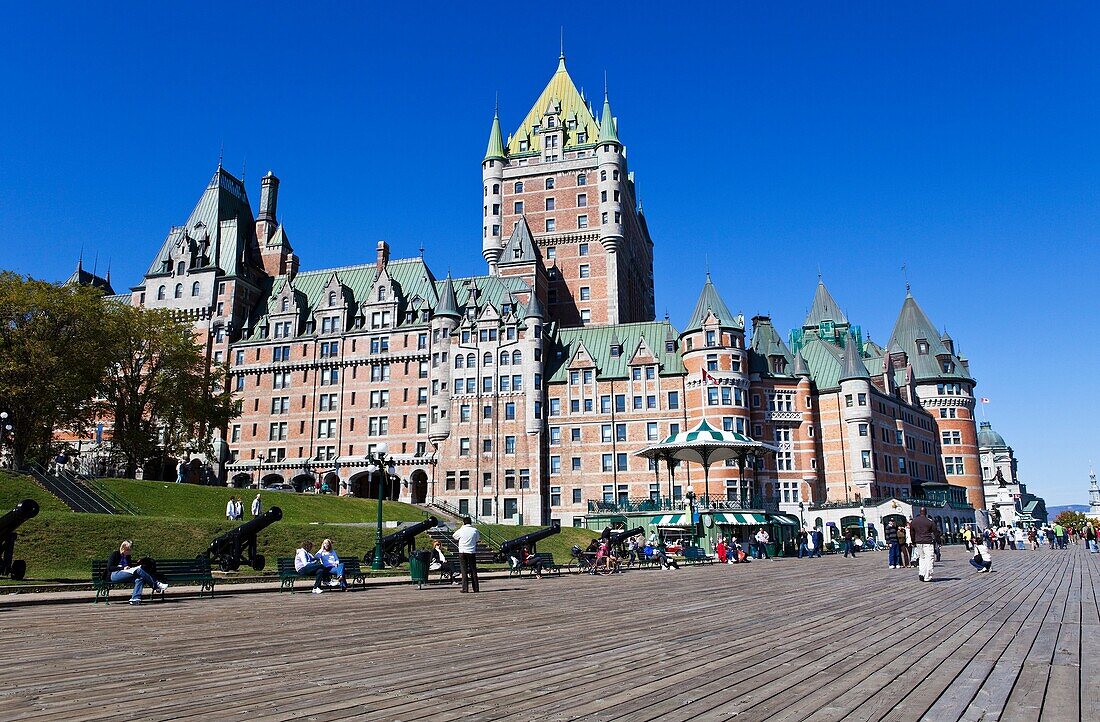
(1053, 511)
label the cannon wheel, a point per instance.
(258, 562)
(18, 570)
(229, 565)
(393, 559)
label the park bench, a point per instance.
(353, 572)
(696, 555)
(548, 565)
(172, 571)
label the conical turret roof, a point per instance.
(823, 308)
(608, 132)
(520, 247)
(709, 300)
(852, 365)
(534, 308)
(496, 142)
(448, 304)
(801, 368)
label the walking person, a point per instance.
(926, 535)
(762, 544)
(467, 537)
(804, 543)
(895, 545)
(818, 538)
(257, 506)
(180, 467)
(849, 545)
(1033, 537)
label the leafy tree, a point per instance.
(1073, 519)
(53, 357)
(159, 389)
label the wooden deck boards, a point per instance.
(822, 639)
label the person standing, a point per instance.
(803, 543)
(818, 538)
(762, 544)
(968, 536)
(926, 535)
(467, 537)
(849, 545)
(231, 509)
(1090, 537)
(895, 546)
(904, 558)
(257, 506)
(238, 508)
(179, 471)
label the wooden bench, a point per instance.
(171, 571)
(353, 572)
(696, 555)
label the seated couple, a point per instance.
(122, 569)
(325, 566)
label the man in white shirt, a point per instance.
(257, 506)
(308, 565)
(231, 509)
(467, 537)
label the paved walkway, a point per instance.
(823, 639)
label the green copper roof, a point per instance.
(801, 368)
(852, 363)
(824, 308)
(765, 344)
(709, 300)
(912, 327)
(567, 99)
(495, 290)
(496, 142)
(448, 305)
(597, 340)
(520, 247)
(608, 131)
(823, 360)
(988, 438)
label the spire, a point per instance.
(496, 142)
(608, 132)
(853, 367)
(801, 368)
(520, 247)
(448, 304)
(824, 308)
(710, 301)
(534, 308)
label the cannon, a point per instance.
(239, 545)
(24, 510)
(396, 546)
(620, 537)
(528, 540)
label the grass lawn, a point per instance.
(180, 520)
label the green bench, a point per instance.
(549, 566)
(696, 555)
(171, 571)
(353, 572)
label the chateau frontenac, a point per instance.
(522, 395)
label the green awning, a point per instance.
(740, 518)
(670, 520)
(785, 519)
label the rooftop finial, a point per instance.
(905, 275)
(80, 259)
(422, 254)
(95, 263)
(244, 167)
(221, 155)
(496, 104)
(605, 85)
(561, 55)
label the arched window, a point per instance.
(471, 361)
(503, 358)
(286, 305)
(460, 361)
(331, 298)
(179, 290)
(519, 187)
(381, 293)
(180, 268)
(582, 180)
(549, 184)
(517, 358)
(496, 188)
(195, 288)
(487, 359)
(603, 175)
(160, 293)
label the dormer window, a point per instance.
(670, 346)
(712, 339)
(922, 346)
(551, 122)
(331, 298)
(616, 350)
(524, 146)
(381, 293)
(286, 305)
(180, 268)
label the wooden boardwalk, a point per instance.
(822, 639)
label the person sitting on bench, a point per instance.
(307, 565)
(327, 556)
(121, 569)
(440, 564)
(532, 561)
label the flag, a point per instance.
(985, 400)
(708, 379)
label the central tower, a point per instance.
(564, 172)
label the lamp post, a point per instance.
(375, 463)
(801, 519)
(690, 496)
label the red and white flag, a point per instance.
(985, 400)
(708, 379)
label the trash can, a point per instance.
(418, 567)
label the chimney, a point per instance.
(383, 259)
(269, 197)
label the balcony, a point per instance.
(643, 505)
(793, 416)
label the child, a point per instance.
(983, 559)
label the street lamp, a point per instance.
(690, 496)
(375, 463)
(801, 519)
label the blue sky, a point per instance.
(959, 139)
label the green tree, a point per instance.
(1073, 519)
(53, 357)
(163, 395)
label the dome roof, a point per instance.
(987, 437)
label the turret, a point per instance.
(856, 410)
(444, 322)
(492, 180)
(534, 342)
(609, 155)
(269, 201)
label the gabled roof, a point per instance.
(81, 277)
(823, 308)
(709, 300)
(559, 90)
(520, 247)
(852, 363)
(597, 341)
(913, 325)
(765, 344)
(224, 199)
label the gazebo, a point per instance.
(704, 444)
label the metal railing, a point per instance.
(643, 505)
(74, 494)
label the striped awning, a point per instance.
(670, 520)
(786, 519)
(740, 518)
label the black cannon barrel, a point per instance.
(527, 539)
(24, 510)
(247, 530)
(622, 536)
(406, 534)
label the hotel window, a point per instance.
(952, 438)
(464, 447)
(277, 431)
(953, 465)
(605, 433)
(651, 431)
(582, 221)
(550, 225)
(518, 187)
(555, 435)
(549, 204)
(551, 252)
(582, 179)
(847, 399)
(486, 446)
(620, 432)
(549, 184)
(863, 429)
(620, 462)
(673, 399)
(464, 412)
(509, 444)
(603, 196)
(586, 316)
(603, 217)
(326, 428)
(582, 200)
(865, 459)
(330, 377)
(586, 293)
(862, 399)
(281, 380)
(585, 270)
(555, 407)
(518, 207)
(606, 462)
(582, 249)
